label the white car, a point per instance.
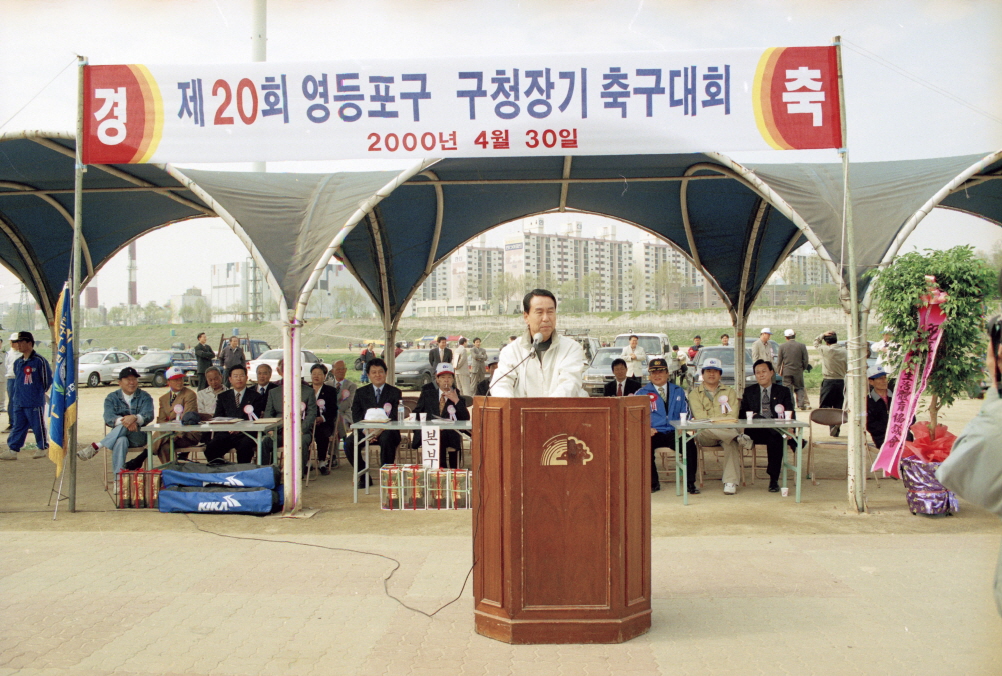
(271, 358)
(102, 367)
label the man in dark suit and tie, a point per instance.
(620, 386)
(376, 394)
(762, 400)
(274, 408)
(440, 353)
(261, 389)
(232, 404)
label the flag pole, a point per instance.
(856, 472)
(75, 286)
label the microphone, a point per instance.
(536, 340)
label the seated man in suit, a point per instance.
(621, 385)
(485, 385)
(375, 394)
(274, 409)
(237, 402)
(441, 399)
(762, 400)
(176, 396)
(125, 411)
(326, 398)
(345, 391)
(261, 389)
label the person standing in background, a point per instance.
(834, 364)
(478, 356)
(761, 349)
(635, 358)
(461, 363)
(232, 355)
(793, 362)
(204, 354)
(11, 356)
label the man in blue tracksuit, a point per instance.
(667, 402)
(32, 379)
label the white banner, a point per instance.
(495, 106)
(430, 444)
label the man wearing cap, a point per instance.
(177, 398)
(386, 398)
(441, 400)
(878, 405)
(541, 363)
(667, 402)
(622, 385)
(834, 364)
(484, 386)
(793, 362)
(883, 348)
(10, 356)
(712, 401)
(767, 399)
(32, 379)
(761, 349)
(635, 358)
(125, 411)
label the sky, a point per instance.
(920, 76)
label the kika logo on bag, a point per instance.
(231, 480)
(219, 506)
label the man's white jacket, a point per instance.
(559, 375)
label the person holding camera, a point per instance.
(974, 469)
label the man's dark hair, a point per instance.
(537, 292)
(675, 347)
(462, 341)
(724, 335)
(200, 335)
(697, 338)
(238, 367)
(831, 338)
(378, 362)
(476, 339)
(763, 361)
(440, 339)
(632, 336)
(617, 361)
(512, 337)
(323, 368)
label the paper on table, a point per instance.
(267, 421)
(224, 420)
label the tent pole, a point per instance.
(389, 355)
(740, 321)
(259, 49)
(79, 170)
(288, 420)
(856, 486)
(296, 439)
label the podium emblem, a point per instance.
(562, 449)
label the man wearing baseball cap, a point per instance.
(484, 385)
(10, 356)
(667, 402)
(761, 349)
(711, 400)
(173, 404)
(32, 378)
(793, 362)
(440, 399)
(125, 411)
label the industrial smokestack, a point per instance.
(133, 295)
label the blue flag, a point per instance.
(63, 400)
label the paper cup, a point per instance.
(682, 417)
(422, 417)
(784, 491)
(750, 416)
(788, 414)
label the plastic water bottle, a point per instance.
(401, 414)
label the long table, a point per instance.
(790, 429)
(393, 425)
(254, 430)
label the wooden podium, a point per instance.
(562, 519)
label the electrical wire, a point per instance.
(38, 93)
(386, 580)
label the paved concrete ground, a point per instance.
(741, 585)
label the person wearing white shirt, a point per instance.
(635, 358)
(882, 349)
(10, 357)
(461, 362)
(207, 396)
(552, 368)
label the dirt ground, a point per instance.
(25, 485)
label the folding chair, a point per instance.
(312, 462)
(718, 453)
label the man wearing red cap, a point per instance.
(177, 401)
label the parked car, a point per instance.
(153, 365)
(142, 349)
(589, 344)
(412, 369)
(271, 358)
(654, 344)
(694, 375)
(599, 372)
(100, 367)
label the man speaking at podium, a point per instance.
(540, 363)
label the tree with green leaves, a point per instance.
(967, 281)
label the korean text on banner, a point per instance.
(497, 106)
(63, 400)
(430, 445)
